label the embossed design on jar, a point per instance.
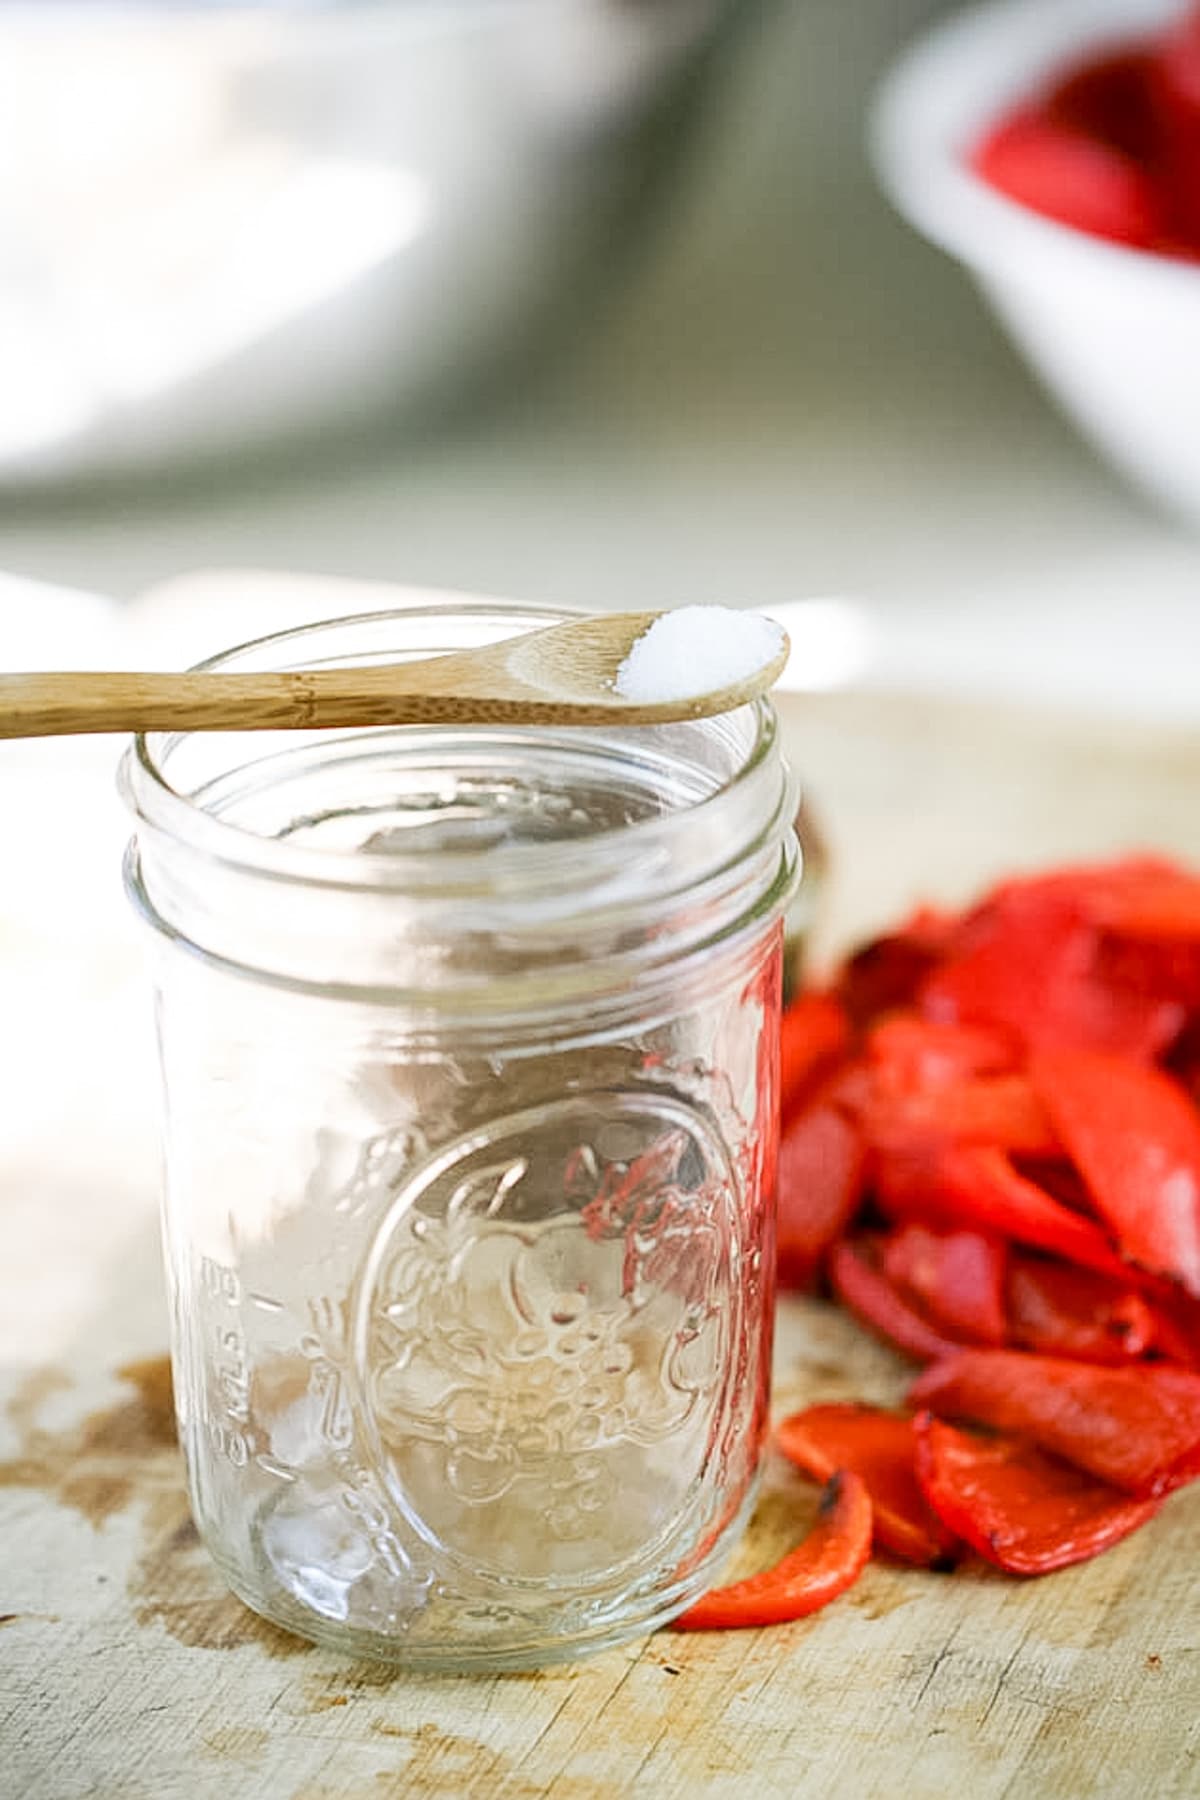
(541, 1337)
(381, 1163)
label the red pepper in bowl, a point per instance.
(1073, 177)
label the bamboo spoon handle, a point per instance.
(50, 705)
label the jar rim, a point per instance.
(530, 926)
(162, 807)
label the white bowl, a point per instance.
(1114, 333)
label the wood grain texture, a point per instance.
(125, 1670)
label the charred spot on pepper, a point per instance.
(831, 1493)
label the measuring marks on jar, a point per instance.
(278, 1418)
(252, 1382)
(227, 1368)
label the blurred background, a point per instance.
(591, 301)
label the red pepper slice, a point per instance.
(1145, 910)
(1028, 963)
(1073, 178)
(1135, 1137)
(880, 1448)
(956, 1277)
(1001, 1110)
(1109, 98)
(1136, 1428)
(1061, 1180)
(918, 1053)
(973, 1186)
(1165, 967)
(1058, 1310)
(1154, 900)
(1176, 89)
(824, 1565)
(860, 1286)
(887, 972)
(822, 1159)
(815, 1032)
(1177, 1327)
(1023, 1511)
(1101, 893)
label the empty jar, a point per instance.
(469, 1045)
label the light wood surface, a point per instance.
(563, 675)
(126, 1671)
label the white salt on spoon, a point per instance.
(697, 650)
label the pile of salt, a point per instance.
(697, 650)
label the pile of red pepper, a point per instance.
(991, 1156)
(1112, 146)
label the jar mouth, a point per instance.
(159, 804)
(667, 834)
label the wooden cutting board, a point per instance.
(125, 1670)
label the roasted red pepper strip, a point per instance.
(880, 1447)
(860, 1286)
(1057, 1310)
(887, 972)
(1176, 91)
(1135, 1137)
(830, 1559)
(1028, 962)
(1101, 892)
(1021, 1510)
(821, 1165)
(815, 1032)
(1074, 178)
(956, 1277)
(970, 1185)
(915, 1053)
(1166, 967)
(1136, 1428)
(1109, 97)
(1000, 1110)
(1155, 901)
(1177, 1327)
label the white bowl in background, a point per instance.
(1114, 332)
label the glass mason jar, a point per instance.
(468, 1042)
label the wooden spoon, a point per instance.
(563, 675)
